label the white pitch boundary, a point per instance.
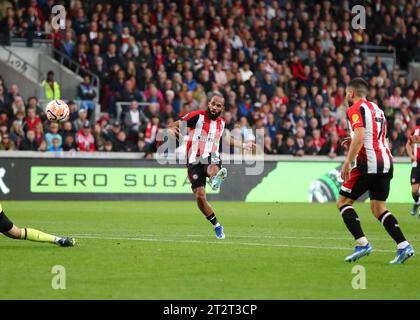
(243, 236)
(219, 242)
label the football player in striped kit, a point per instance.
(373, 172)
(413, 151)
(205, 132)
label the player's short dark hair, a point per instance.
(359, 85)
(217, 94)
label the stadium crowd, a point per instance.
(281, 65)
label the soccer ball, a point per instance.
(57, 111)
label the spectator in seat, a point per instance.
(229, 122)
(396, 99)
(342, 128)
(151, 134)
(300, 142)
(39, 133)
(154, 95)
(49, 136)
(56, 145)
(141, 144)
(129, 93)
(67, 44)
(69, 143)
(87, 95)
(18, 104)
(4, 7)
(16, 133)
(42, 146)
(5, 105)
(112, 131)
(31, 119)
(288, 147)
(167, 114)
(310, 150)
(81, 56)
(13, 92)
(66, 129)
(6, 143)
(3, 129)
(33, 103)
(317, 140)
(30, 21)
(74, 110)
(330, 127)
(29, 143)
(134, 119)
(108, 147)
(121, 144)
(267, 86)
(268, 147)
(297, 68)
(51, 87)
(99, 137)
(84, 138)
(332, 147)
(82, 117)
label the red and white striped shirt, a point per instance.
(151, 132)
(85, 143)
(204, 135)
(416, 147)
(375, 155)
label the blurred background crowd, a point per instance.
(281, 65)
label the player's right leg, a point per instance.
(350, 191)
(10, 230)
(415, 184)
(216, 176)
(379, 191)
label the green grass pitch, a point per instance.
(167, 250)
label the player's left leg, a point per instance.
(415, 195)
(10, 230)
(390, 223)
(216, 175)
(379, 191)
(207, 210)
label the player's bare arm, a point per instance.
(409, 148)
(232, 142)
(355, 147)
(174, 129)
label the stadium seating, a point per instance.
(282, 66)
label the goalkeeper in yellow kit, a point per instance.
(10, 230)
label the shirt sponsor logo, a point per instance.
(355, 118)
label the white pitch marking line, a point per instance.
(218, 242)
(249, 237)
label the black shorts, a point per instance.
(415, 176)
(378, 185)
(197, 173)
(5, 223)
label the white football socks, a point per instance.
(363, 241)
(402, 245)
